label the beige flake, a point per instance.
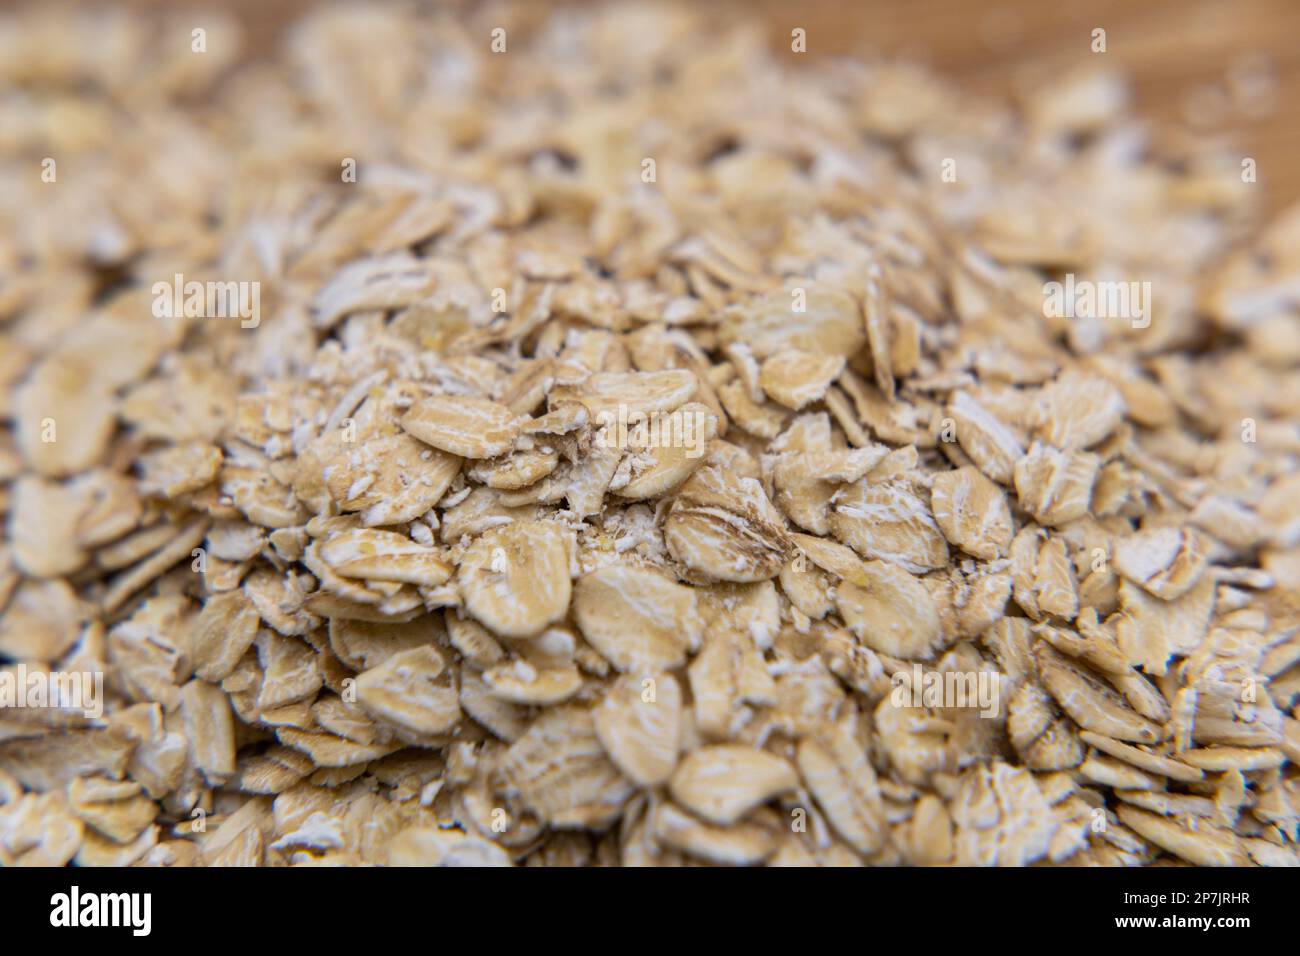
(43, 527)
(794, 378)
(972, 512)
(430, 846)
(209, 726)
(1077, 411)
(724, 527)
(723, 782)
(1054, 486)
(389, 480)
(1142, 759)
(521, 683)
(677, 445)
(888, 521)
(637, 618)
(741, 844)
(1089, 702)
(223, 631)
(1204, 846)
(463, 425)
(630, 394)
(384, 556)
(411, 691)
(835, 768)
(1054, 589)
(179, 469)
(561, 772)
(1001, 818)
(993, 447)
(515, 578)
(1166, 561)
(639, 723)
(890, 611)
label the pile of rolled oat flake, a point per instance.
(371, 580)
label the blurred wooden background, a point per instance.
(1184, 57)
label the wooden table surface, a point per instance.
(1184, 57)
